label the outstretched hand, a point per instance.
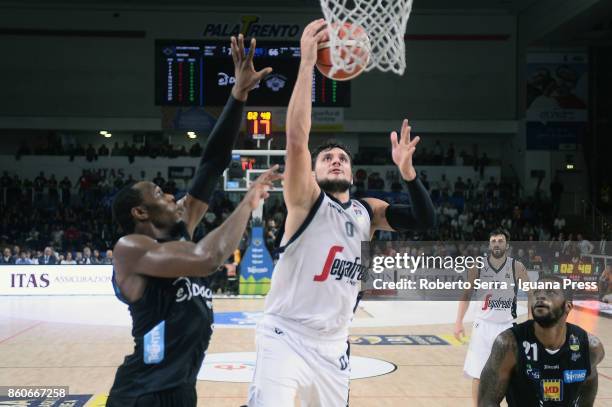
(403, 150)
(247, 77)
(260, 188)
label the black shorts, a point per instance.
(176, 397)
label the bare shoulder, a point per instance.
(134, 243)
(506, 341)
(596, 349)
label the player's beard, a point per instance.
(550, 319)
(333, 186)
(502, 253)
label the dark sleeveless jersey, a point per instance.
(541, 379)
(172, 325)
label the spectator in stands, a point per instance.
(24, 258)
(16, 252)
(584, 245)
(7, 256)
(559, 223)
(87, 258)
(103, 151)
(68, 259)
(40, 183)
(444, 187)
(450, 155)
(159, 180)
(96, 258)
(52, 188)
(437, 153)
(108, 259)
(195, 150)
(65, 186)
(603, 246)
(482, 164)
(48, 257)
(78, 257)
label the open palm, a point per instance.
(402, 151)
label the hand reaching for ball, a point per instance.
(313, 34)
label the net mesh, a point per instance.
(382, 46)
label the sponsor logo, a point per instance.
(413, 340)
(353, 271)
(533, 373)
(250, 27)
(276, 82)
(23, 280)
(79, 400)
(552, 390)
(499, 303)
(551, 367)
(574, 376)
(187, 290)
(154, 344)
(238, 367)
(574, 343)
(278, 331)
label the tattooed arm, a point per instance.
(588, 390)
(495, 376)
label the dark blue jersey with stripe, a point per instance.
(172, 326)
(545, 379)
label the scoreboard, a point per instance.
(201, 73)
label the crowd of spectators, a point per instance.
(51, 221)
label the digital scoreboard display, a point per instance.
(259, 124)
(201, 73)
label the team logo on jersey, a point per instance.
(532, 373)
(574, 376)
(499, 303)
(187, 290)
(574, 343)
(575, 356)
(338, 268)
(552, 390)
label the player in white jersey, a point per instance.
(302, 347)
(496, 307)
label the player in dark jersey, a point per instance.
(545, 361)
(161, 274)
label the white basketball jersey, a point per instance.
(497, 305)
(317, 278)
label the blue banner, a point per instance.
(256, 266)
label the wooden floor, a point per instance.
(85, 357)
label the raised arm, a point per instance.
(300, 190)
(420, 215)
(138, 254)
(588, 389)
(496, 374)
(218, 151)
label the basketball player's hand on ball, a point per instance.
(260, 188)
(313, 34)
(403, 150)
(247, 77)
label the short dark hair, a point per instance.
(500, 231)
(328, 145)
(127, 198)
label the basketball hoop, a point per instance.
(384, 22)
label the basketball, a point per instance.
(354, 46)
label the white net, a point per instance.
(384, 23)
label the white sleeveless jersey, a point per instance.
(317, 279)
(497, 305)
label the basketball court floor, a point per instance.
(403, 353)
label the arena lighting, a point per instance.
(103, 132)
(569, 166)
(191, 134)
(108, 135)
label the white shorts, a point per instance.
(289, 365)
(481, 343)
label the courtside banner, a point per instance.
(56, 280)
